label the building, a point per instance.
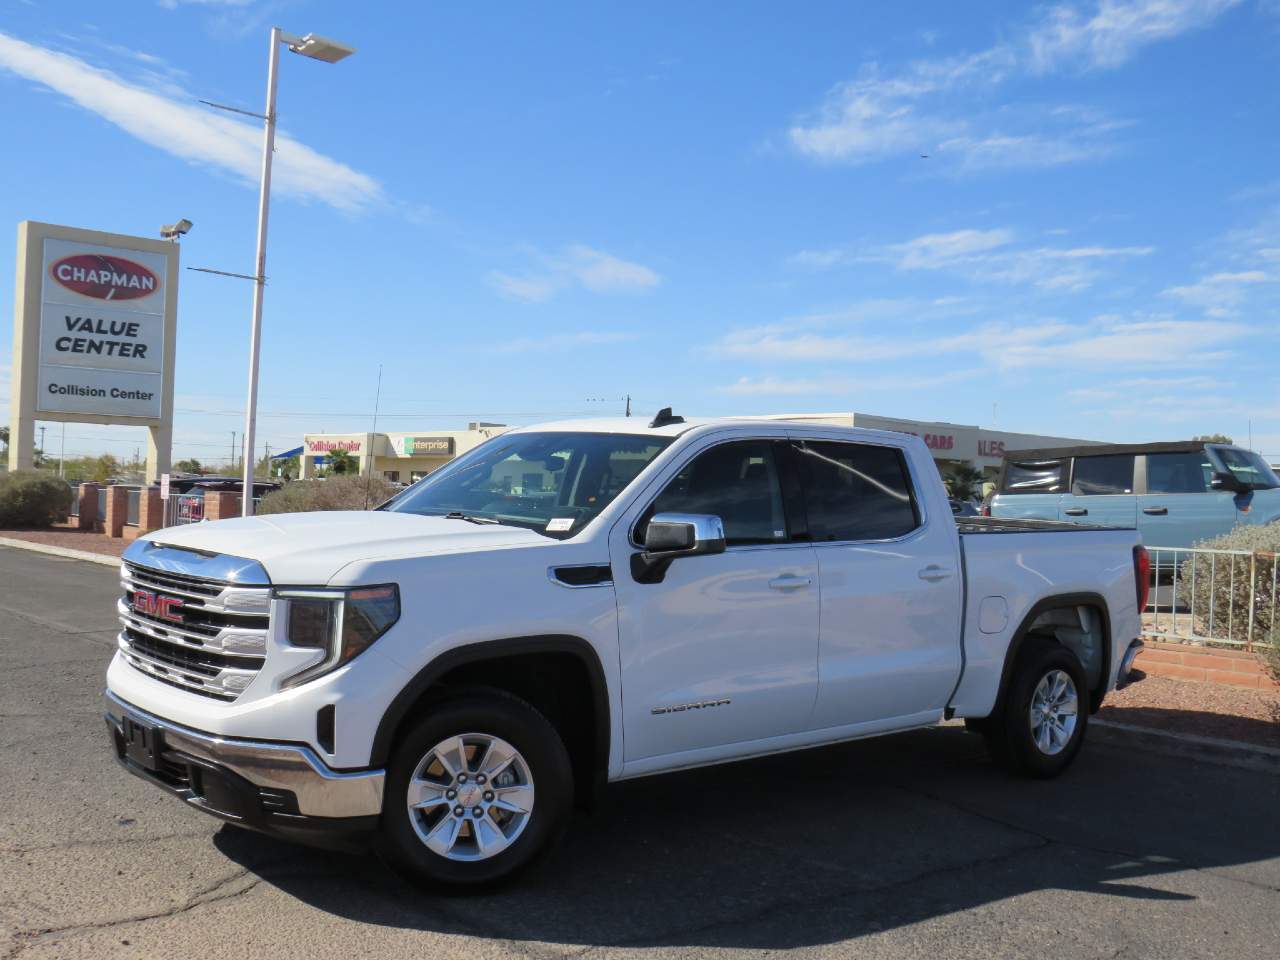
(406, 457)
(403, 457)
(950, 443)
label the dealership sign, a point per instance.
(422, 446)
(102, 326)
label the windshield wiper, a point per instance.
(459, 515)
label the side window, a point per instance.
(738, 482)
(857, 492)
(1178, 473)
(1033, 476)
(1096, 476)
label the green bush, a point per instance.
(1219, 588)
(333, 493)
(32, 498)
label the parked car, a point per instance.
(963, 508)
(590, 601)
(1176, 494)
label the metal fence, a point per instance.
(183, 508)
(1214, 597)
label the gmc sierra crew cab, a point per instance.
(581, 602)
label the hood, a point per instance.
(310, 548)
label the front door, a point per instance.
(1101, 492)
(724, 649)
(1179, 508)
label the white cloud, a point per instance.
(990, 256)
(1106, 342)
(878, 114)
(1114, 31)
(576, 265)
(192, 133)
(781, 387)
(174, 4)
(1220, 293)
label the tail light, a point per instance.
(986, 509)
(1142, 575)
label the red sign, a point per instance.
(991, 448)
(328, 446)
(104, 277)
(939, 441)
(162, 608)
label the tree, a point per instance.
(189, 466)
(1214, 438)
(104, 466)
(963, 481)
(341, 462)
(4, 437)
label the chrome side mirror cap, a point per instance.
(670, 536)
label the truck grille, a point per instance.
(205, 636)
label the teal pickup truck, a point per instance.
(1175, 494)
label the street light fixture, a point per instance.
(316, 48)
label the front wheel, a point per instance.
(1041, 726)
(475, 791)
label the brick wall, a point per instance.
(117, 510)
(221, 504)
(1184, 662)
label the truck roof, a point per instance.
(640, 426)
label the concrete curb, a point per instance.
(1187, 745)
(60, 551)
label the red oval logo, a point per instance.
(104, 277)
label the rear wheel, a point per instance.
(475, 791)
(1041, 726)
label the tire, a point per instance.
(489, 841)
(1046, 676)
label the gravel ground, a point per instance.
(73, 539)
(1203, 709)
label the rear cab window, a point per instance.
(856, 491)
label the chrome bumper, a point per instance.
(320, 792)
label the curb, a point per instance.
(67, 552)
(1188, 746)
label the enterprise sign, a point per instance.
(102, 323)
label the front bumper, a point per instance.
(277, 788)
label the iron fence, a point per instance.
(1214, 597)
(183, 508)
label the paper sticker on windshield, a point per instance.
(560, 524)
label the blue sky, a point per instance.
(516, 208)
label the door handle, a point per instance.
(1156, 511)
(790, 583)
(933, 573)
(1076, 512)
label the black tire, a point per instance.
(497, 714)
(1008, 731)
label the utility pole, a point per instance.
(628, 404)
(42, 443)
(267, 458)
(62, 458)
(233, 450)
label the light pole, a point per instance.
(317, 48)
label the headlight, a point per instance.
(338, 624)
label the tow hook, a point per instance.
(1127, 674)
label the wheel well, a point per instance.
(1078, 622)
(566, 685)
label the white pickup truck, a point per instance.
(591, 601)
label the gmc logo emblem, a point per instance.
(152, 605)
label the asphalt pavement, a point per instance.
(908, 846)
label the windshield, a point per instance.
(554, 483)
(1248, 467)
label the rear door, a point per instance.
(1101, 491)
(1179, 508)
(890, 621)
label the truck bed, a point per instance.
(968, 525)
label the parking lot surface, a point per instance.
(909, 846)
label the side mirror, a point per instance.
(669, 536)
(1225, 480)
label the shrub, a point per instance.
(1219, 589)
(334, 493)
(32, 498)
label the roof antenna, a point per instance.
(664, 418)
